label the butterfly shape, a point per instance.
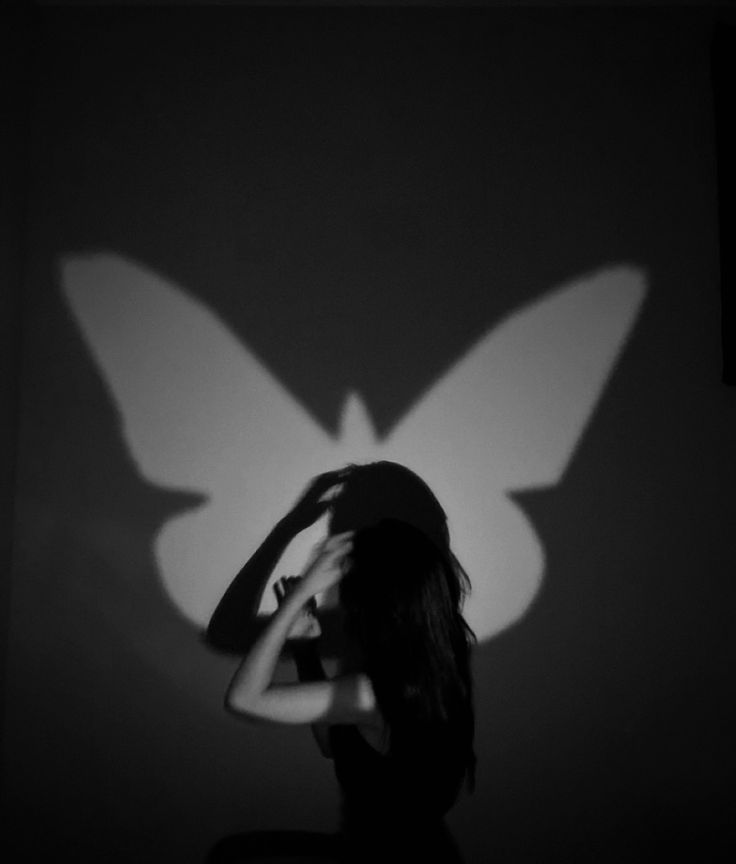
(201, 413)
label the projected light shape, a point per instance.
(201, 413)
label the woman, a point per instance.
(398, 720)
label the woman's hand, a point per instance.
(326, 567)
(306, 625)
(315, 501)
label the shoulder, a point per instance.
(364, 694)
(354, 700)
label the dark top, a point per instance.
(393, 806)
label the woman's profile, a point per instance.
(398, 718)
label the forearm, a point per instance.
(255, 673)
(235, 624)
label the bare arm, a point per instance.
(347, 699)
(235, 624)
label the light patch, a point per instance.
(201, 413)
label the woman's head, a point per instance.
(391, 500)
(387, 490)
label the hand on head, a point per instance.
(316, 499)
(306, 625)
(326, 567)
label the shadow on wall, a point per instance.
(434, 256)
(200, 413)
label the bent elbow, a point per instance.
(234, 703)
(228, 703)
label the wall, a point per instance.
(360, 196)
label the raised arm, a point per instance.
(346, 699)
(235, 624)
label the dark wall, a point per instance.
(16, 73)
(379, 186)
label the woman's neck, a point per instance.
(350, 662)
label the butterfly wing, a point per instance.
(198, 412)
(507, 417)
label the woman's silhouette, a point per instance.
(398, 718)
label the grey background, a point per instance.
(331, 182)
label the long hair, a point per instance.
(402, 596)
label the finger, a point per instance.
(290, 583)
(328, 497)
(329, 478)
(335, 540)
(278, 590)
(318, 487)
(340, 552)
(339, 556)
(335, 556)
